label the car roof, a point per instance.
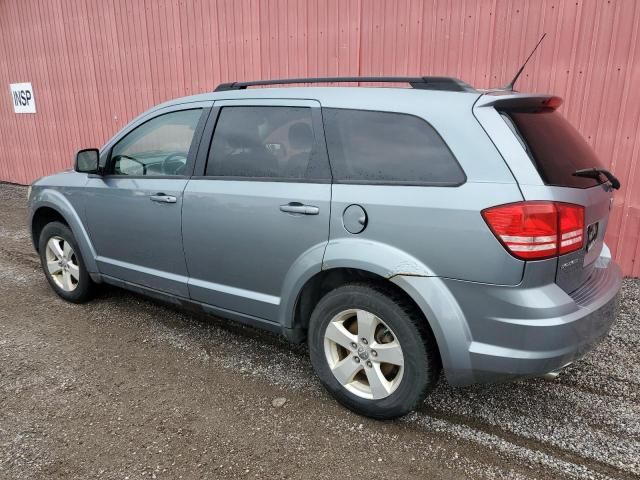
(369, 98)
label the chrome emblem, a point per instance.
(568, 264)
(363, 352)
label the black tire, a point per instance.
(85, 287)
(421, 358)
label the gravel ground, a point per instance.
(127, 388)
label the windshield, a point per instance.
(555, 147)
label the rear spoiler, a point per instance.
(520, 102)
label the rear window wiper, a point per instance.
(595, 173)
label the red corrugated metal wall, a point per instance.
(95, 64)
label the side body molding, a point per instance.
(51, 198)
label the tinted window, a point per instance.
(264, 142)
(387, 148)
(555, 147)
(157, 147)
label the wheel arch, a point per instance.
(326, 280)
(350, 258)
(41, 217)
(447, 321)
(49, 206)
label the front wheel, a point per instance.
(372, 350)
(63, 264)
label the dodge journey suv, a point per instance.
(400, 232)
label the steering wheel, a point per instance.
(135, 160)
(178, 167)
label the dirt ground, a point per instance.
(126, 388)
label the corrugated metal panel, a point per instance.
(95, 64)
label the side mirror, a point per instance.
(87, 161)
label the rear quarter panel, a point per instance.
(426, 231)
(429, 230)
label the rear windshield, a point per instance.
(555, 147)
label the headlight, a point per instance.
(29, 192)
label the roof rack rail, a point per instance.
(423, 83)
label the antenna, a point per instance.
(509, 86)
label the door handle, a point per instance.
(162, 198)
(299, 208)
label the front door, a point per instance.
(134, 210)
(260, 207)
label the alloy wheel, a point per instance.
(363, 353)
(62, 264)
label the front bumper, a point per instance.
(518, 331)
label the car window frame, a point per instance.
(106, 152)
(319, 155)
(403, 183)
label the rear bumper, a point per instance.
(519, 331)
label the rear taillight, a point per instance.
(570, 228)
(538, 229)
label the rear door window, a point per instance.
(265, 142)
(555, 147)
(387, 148)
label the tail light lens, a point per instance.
(538, 229)
(571, 227)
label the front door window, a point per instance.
(158, 147)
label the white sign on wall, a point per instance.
(22, 97)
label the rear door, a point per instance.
(258, 205)
(544, 151)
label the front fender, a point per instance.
(56, 200)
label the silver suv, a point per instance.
(398, 231)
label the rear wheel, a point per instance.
(63, 264)
(372, 350)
